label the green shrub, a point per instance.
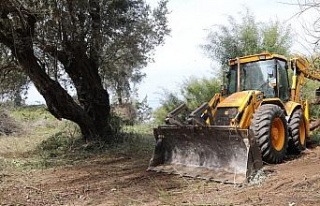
(7, 125)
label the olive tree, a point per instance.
(79, 42)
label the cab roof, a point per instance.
(256, 57)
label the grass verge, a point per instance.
(46, 142)
(65, 148)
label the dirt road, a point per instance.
(124, 181)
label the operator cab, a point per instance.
(266, 75)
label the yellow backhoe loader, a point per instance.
(255, 118)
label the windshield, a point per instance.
(258, 75)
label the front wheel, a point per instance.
(271, 132)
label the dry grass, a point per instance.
(36, 125)
(7, 125)
(47, 142)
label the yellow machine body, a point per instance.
(228, 138)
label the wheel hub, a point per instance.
(277, 134)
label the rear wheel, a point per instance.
(297, 132)
(271, 132)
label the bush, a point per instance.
(193, 91)
(7, 124)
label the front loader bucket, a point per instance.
(215, 153)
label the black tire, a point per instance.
(297, 133)
(270, 129)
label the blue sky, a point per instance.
(190, 20)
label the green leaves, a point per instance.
(127, 52)
(276, 38)
(196, 91)
(13, 81)
(246, 37)
(117, 37)
(193, 92)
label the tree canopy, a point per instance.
(86, 44)
(246, 36)
(13, 81)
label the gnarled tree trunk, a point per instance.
(50, 38)
(92, 118)
(94, 113)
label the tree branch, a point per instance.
(96, 32)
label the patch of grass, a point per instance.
(36, 120)
(57, 144)
(47, 142)
(69, 148)
(40, 129)
(134, 140)
(3, 164)
(140, 129)
(7, 125)
(31, 113)
(53, 151)
(137, 144)
(314, 139)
